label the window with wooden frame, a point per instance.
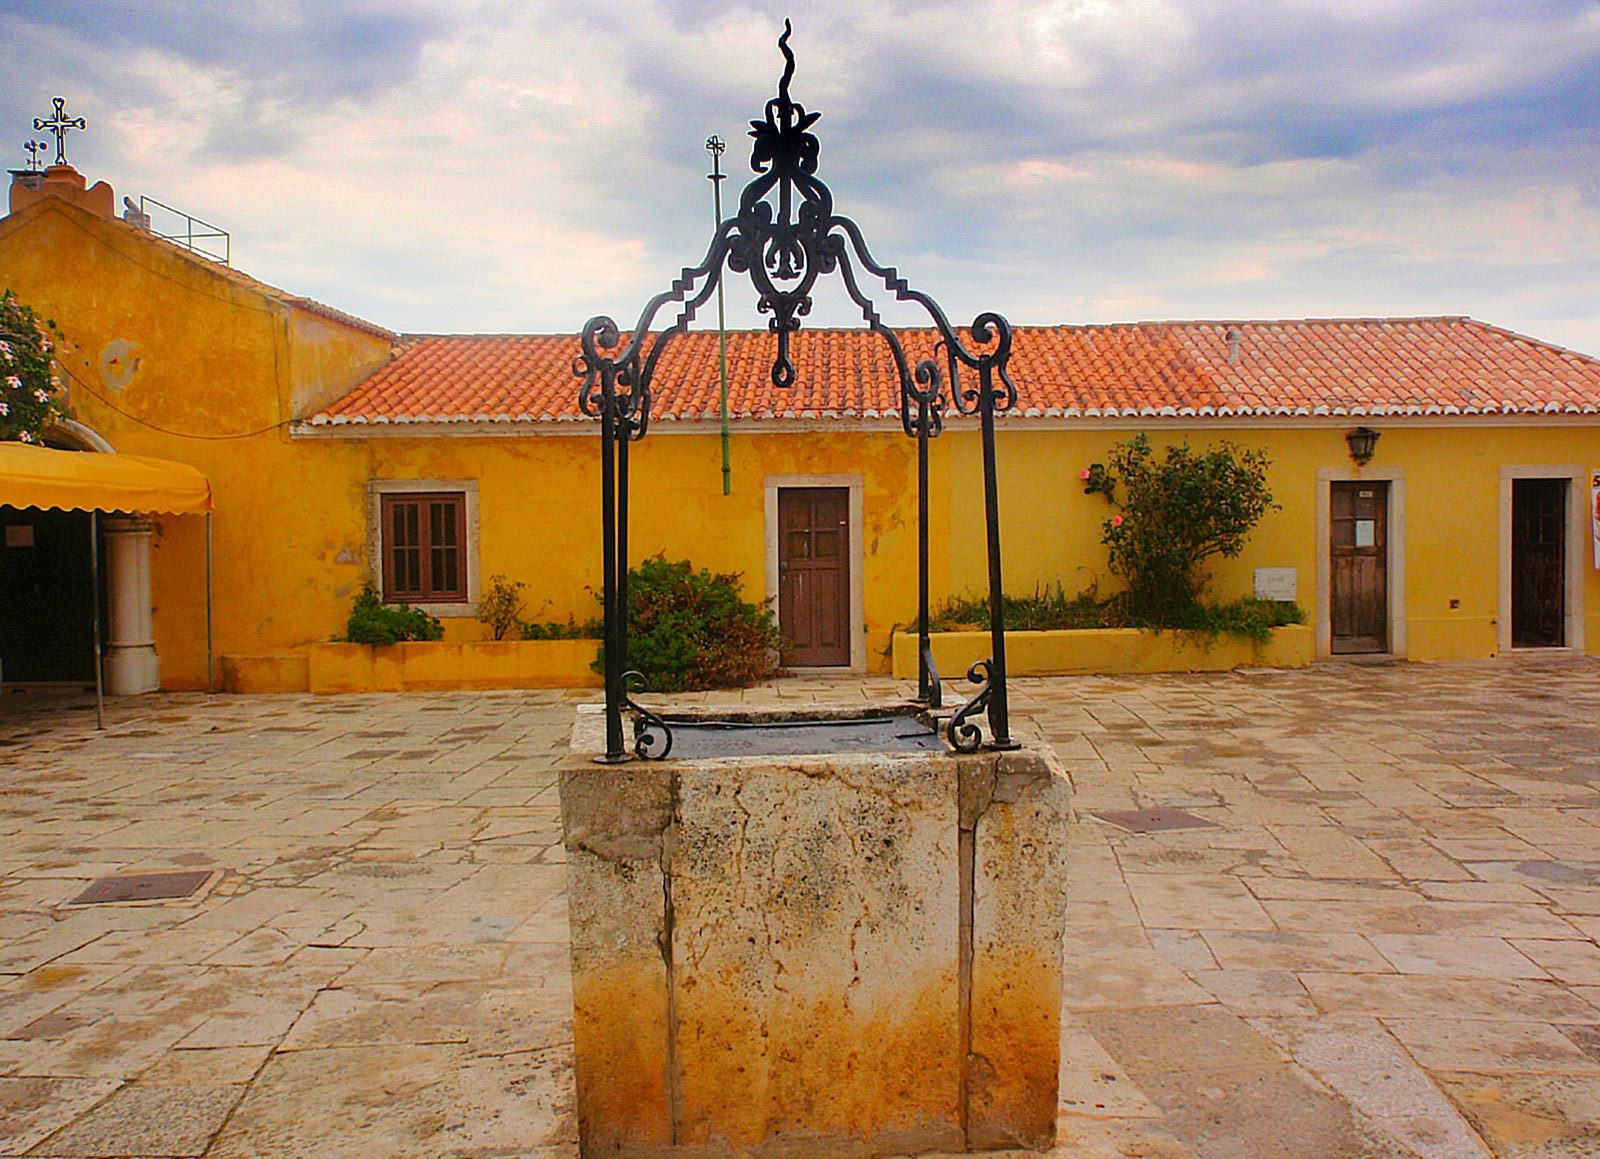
(425, 547)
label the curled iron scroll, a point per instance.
(652, 739)
(965, 736)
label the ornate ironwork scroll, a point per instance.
(784, 236)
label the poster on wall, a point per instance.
(1594, 513)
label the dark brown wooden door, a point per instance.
(1359, 589)
(814, 575)
(1538, 563)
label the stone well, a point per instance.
(842, 954)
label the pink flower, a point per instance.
(13, 382)
(41, 395)
(1116, 521)
(5, 409)
(26, 436)
(1083, 474)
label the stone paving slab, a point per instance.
(1387, 946)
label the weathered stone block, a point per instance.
(846, 955)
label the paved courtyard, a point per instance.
(1384, 944)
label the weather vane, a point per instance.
(33, 148)
(58, 123)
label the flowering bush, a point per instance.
(28, 386)
(1173, 513)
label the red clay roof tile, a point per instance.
(1334, 367)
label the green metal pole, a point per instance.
(714, 146)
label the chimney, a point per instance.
(61, 181)
(1235, 337)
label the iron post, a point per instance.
(715, 147)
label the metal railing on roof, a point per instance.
(185, 229)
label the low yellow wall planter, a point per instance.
(1109, 650)
(425, 666)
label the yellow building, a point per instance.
(339, 452)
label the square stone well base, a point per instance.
(840, 955)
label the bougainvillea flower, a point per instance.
(1116, 521)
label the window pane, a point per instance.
(444, 556)
(446, 577)
(444, 524)
(404, 550)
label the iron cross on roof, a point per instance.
(58, 123)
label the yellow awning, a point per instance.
(88, 481)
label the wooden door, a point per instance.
(1358, 599)
(1538, 563)
(814, 575)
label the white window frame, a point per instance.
(378, 488)
(1577, 549)
(858, 585)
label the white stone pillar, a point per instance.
(131, 662)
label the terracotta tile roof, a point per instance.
(1333, 367)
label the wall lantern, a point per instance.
(1362, 443)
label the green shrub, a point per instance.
(1252, 618)
(374, 622)
(501, 605)
(690, 630)
(1050, 609)
(551, 630)
(1173, 513)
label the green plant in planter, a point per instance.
(1175, 511)
(501, 606)
(374, 622)
(555, 630)
(29, 389)
(691, 630)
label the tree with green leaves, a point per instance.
(1173, 512)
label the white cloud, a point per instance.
(494, 165)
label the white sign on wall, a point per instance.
(1277, 583)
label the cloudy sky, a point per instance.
(486, 166)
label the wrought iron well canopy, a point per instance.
(784, 236)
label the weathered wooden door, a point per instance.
(1538, 563)
(814, 575)
(1358, 595)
